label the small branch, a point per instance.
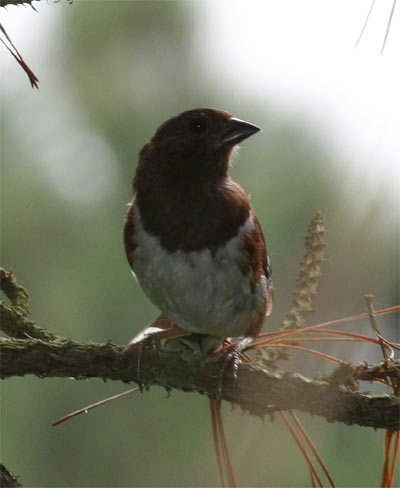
(10, 46)
(8, 479)
(374, 324)
(15, 324)
(383, 370)
(388, 26)
(258, 391)
(5, 3)
(17, 295)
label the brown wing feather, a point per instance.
(266, 265)
(260, 265)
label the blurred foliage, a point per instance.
(111, 73)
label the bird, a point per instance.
(191, 236)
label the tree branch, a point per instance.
(17, 295)
(16, 325)
(259, 391)
(8, 479)
(5, 3)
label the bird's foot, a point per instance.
(151, 338)
(148, 339)
(230, 358)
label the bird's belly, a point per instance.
(199, 291)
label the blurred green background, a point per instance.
(110, 73)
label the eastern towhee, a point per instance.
(191, 236)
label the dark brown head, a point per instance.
(196, 144)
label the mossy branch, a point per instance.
(260, 391)
(14, 321)
(17, 295)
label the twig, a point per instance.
(374, 324)
(15, 324)
(365, 24)
(17, 295)
(8, 479)
(388, 26)
(94, 405)
(20, 60)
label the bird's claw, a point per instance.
(230, 358)
(147, 341)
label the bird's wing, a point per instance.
(265, 263)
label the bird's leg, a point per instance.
(151, 337)
(230, 358)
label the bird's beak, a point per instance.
(235, 131)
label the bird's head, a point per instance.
(196, 143)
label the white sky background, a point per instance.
(300, 54)
(297, 54)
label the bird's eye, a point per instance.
(198, 125)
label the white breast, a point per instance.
(199, 292)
